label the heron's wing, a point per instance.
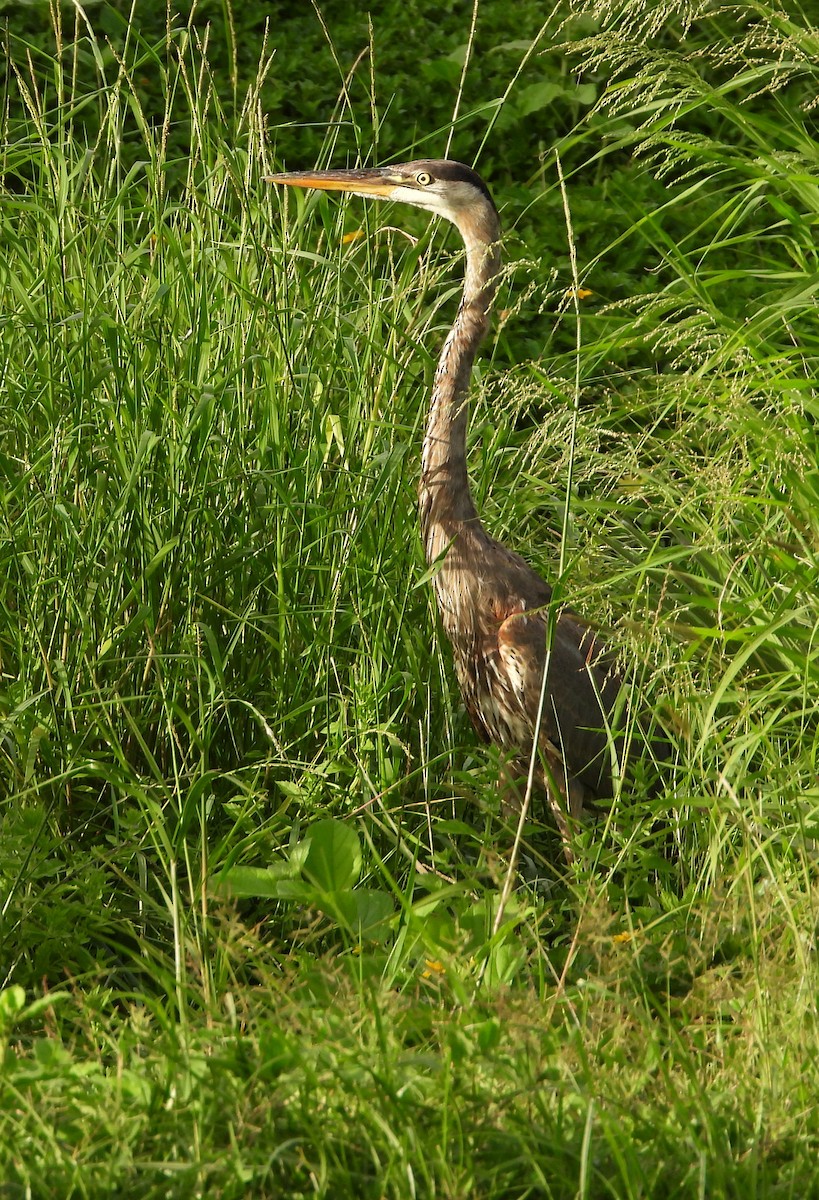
(581, 691)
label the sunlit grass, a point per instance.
(216, 641)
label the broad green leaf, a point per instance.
(333, 861)
(364, 911)
(244, 882)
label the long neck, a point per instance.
(444, 496)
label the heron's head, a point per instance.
(448, 189)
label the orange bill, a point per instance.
(364, 182)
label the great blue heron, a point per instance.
(493, 606)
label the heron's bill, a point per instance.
(372, 182)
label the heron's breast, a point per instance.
(494, 705)
(492, 684)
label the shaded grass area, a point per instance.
(251, 854)
(638, 1078)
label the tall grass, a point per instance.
(251, 852)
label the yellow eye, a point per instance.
(424, 178)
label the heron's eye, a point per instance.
(424, 178)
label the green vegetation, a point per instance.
(251, 858)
